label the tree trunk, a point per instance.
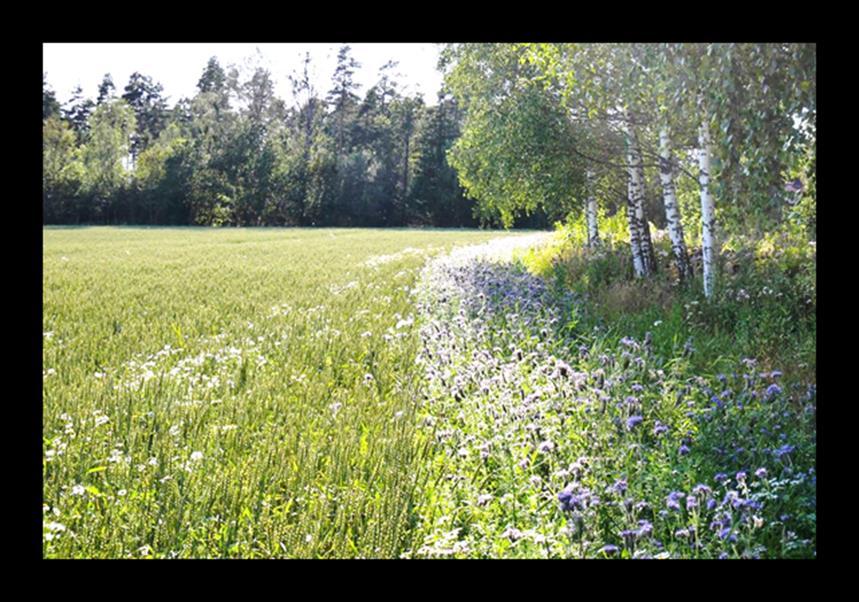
(708, 219)
(634, 241)
(643, 247)
(672, 210)
(637, 175)
(593, 231)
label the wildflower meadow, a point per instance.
(401, 395)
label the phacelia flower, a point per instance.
(783, 450)
(619, 486)
(570, 501)
(673, 500)
(546, 447)
(633, 421)
(773, 390)
(609, 549)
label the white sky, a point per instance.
(178, 67)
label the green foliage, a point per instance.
(144, 97)
(62, 170)
(234, 154)
(50, 104)
(765, 306)
(516, 152)
(107, 148)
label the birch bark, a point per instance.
(634, 241)
(593, 229)
(672, 209)
(642, 247)
(708, 219)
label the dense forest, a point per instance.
(236, 155)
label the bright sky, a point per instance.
(178, 67)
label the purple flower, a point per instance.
(609, 549)
(684, 449)
(711, 503)
(619, 486)
(546, 447)
(773, 390)
(783, 450)
(570, 501)
(659, 429)
(633, 421)
(720, 477)
(793, 186)
(673, 500)
(726, 534)
(701, 490)
(761, 473)
(637, 388)
(644, 528)
(753, 504)
(741, 476)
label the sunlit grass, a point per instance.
(232, 393)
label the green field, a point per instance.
(226, 393)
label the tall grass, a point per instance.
(231, 393)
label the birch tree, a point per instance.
(672, 210)
(641, 244)
(708, 212)
(591, 211)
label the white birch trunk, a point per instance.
(593, 230)
(635, 204)
(708, 219)
(643, 225)
(634, 241)
(672, 209)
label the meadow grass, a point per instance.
(232, 393)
